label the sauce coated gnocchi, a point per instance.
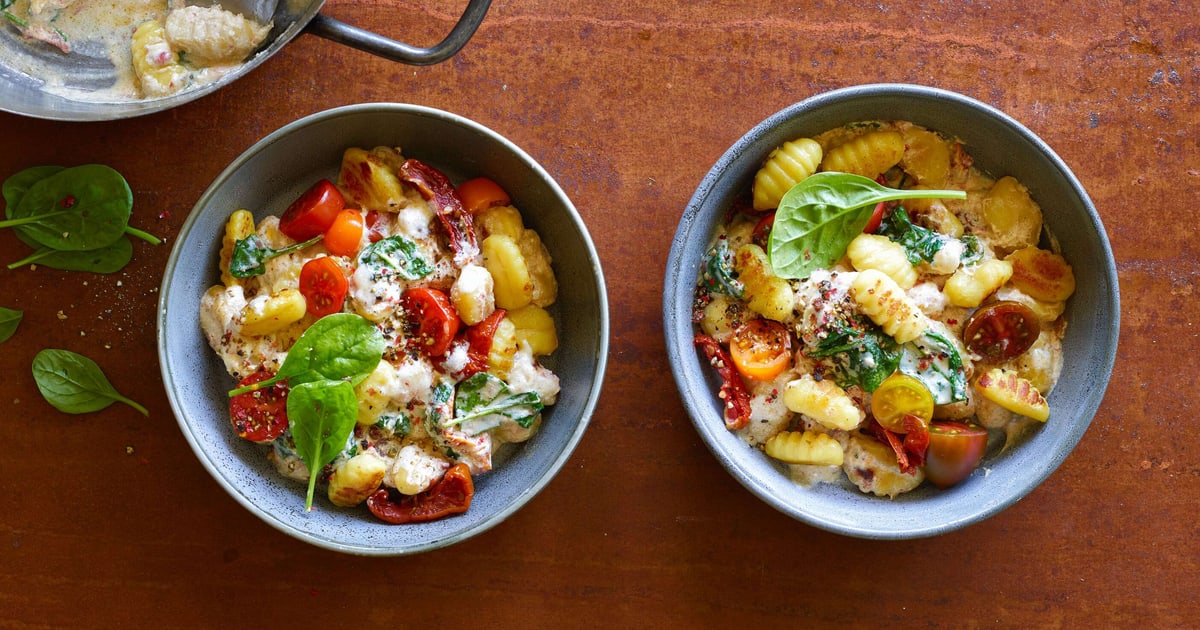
(932, 339)
(460, 375)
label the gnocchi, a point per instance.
(457, 375)
(944, 308)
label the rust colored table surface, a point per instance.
(107, 519)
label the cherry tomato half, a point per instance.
(876, 218)
(451, 495)
(323, 286)
(312, 213)
(260, 415)
(955, 450)
(1001, 331)
(900, 395)
(482, 193)
(344, 235)
(761, 349)
(437, 320)
(762, 230)
(377, 222)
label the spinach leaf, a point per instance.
(972, 250)
(70, 209)
(934, 360)
(483, 402)
(862, 354)
(719, 276)
(397, 254)
(73, 383)
(398, 423)
(104, 260)
(819, 217)
(321, 416)
(438, 412)
(9, 320)
(338, 347)
(919, 243)
(250, 255)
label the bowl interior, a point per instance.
(265, 179)
(1000, 146)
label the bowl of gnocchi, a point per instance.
(362, 329)
(891, 311)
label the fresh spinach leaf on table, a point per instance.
(818, 217)
(9, 320)
(73, 383)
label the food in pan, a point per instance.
(385, 332)
(881, 310)
(157, 48)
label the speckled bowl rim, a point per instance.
(834, 507)
(565, 449)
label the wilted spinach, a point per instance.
(935, 361)
(73, 383)
(250, 255)
(861, 353)
(818, 217)
(9, 320)
(719, 276)
(338, 347)
(321, 416)
(483, 402)
(922, 244)
(398, 254)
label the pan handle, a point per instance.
(365, 40)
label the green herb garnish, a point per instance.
(73, 383)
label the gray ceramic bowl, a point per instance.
(1000, 146)
(265, 179)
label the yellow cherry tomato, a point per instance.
(761, 349)
(900, 395)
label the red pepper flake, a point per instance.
(68, 202)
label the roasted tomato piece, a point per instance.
(313, 212)
(733, 393)
(761, 349)
(955, 450)
(451, 495)
(323, 286)
(437, 321)
(1001, 331)
(479, 342)
(260, 415)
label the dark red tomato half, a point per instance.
(451, 495)
(955, 450)
(437, 321)
(479, 342)
(1001, 331)
(260, 415)
(313, 212)
(323, 286)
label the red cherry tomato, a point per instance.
(761, 349)
(479, 342)
(376, 223)
(260, 415)
(323, 286)
(955, 450)
(876, 218)
(344, 235)
(762, 230)
(436, 318)
(482, 193)
(451, 495)
(313, 212)
(1001, 331)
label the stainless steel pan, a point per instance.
(21, 88)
